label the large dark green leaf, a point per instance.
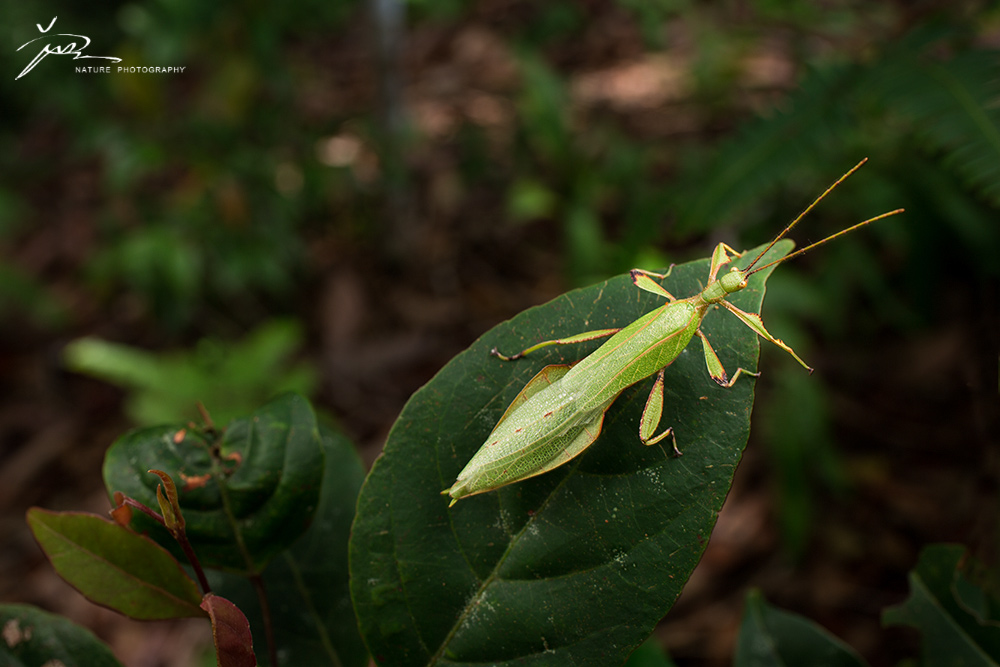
(307, 586)
(115, 567)
(572, 567)
(770, 637)
(264, 482)
(950, 633)
(32, 637)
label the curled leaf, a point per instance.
(262, 479)
(166, 496)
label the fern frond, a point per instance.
(952, 106)
(948, 105)
(769, 150)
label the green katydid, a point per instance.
(560, 412)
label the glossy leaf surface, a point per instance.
(575, 566)
(771, 637)
(115, 567)
(32, 637)
(307, 586)
(951, 633)
(260, 480)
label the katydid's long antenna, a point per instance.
(828, 238)
(802, 215)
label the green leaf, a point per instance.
(33, 638)
(770, 637)
(649, 654)
(230, 632)
(951, 635)
(575, 566)
(115, 567)
(232, 377)
(264, 481)
(307, 586)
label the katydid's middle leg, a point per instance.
(715, 368)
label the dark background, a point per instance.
(339, 197)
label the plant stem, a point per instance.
(193, 559)
(265, 610)
(181, 538)
(254, 576)
(131, 502)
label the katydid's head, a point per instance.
(741, 282)
(734, 280)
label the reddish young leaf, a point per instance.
(122, 513)
(231, 631)
(166, 496)
(115, 567)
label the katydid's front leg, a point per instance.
(720, 256)
(753, 321)
(652, 414)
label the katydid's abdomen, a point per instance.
(638, 351)
(561, 411)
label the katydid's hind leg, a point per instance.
(715, 368)
(651, 416)
(569, 340)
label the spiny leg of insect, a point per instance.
(569, 340)
(646, 280)
(753, 321)
(715, 368)
(651, 415)
(721, 255)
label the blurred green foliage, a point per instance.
(205, 190)
(231, 378)
(211, 186)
